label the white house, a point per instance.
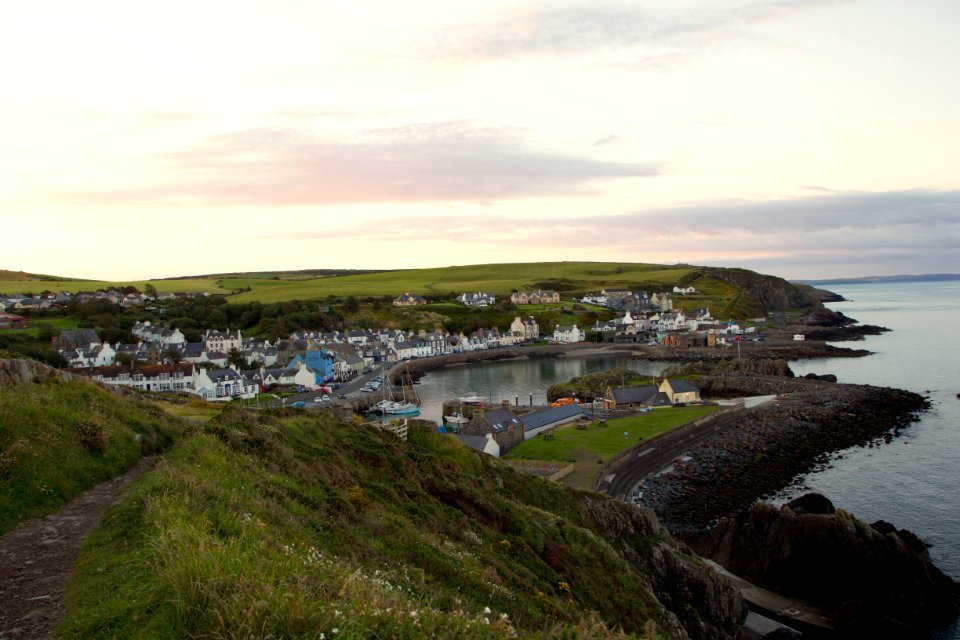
(222, 385)
(405, 350)
(223, 341)
(479, 299)
(484, 444)
(151, 377)
(565, 334)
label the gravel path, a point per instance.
(37, 558)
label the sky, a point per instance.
(800, 138)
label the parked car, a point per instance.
(342, 396)
(299, 404)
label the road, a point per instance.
(351, 388)
(660, 452)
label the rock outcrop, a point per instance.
(17, 371)
(705, 605)
(877, 583)
(769, 292)
(728, 366)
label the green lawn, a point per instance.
(605, 442)
(589, 448)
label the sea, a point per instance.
(913, 482)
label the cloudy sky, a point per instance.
(803, 138)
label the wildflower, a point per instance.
(486, 611)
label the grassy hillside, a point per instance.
(293, 526)
(729, 293)
(58, 439)
(71, 285)
(495, 278)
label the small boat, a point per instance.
(472, 399)
(457, 419)
(402, 409)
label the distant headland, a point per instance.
(929, 277)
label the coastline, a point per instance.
(772, 349)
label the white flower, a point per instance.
(486, 611)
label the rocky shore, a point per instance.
(771, 444)
(875, 580)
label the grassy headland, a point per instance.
(58, 439)
(292, 524)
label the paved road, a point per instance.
(350, 388)
(660, 452)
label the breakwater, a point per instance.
(768, 446)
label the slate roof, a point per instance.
(501, 420)
(682, 386)
(650, 396)
(549, 416)
(477, 443)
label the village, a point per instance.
(226, 365)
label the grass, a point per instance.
(499, 279)
(33, 329)
(58, 439)
(187, 285)
(195, 410)
(570, 278)
(588, 448)
(291, 525)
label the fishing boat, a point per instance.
(456, 419)
(403, 409)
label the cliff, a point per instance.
(877, 581)
(768, 293)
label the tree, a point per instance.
(45, 332)
(150, 290)
(236, 358)
(352, 305)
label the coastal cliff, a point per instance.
(876, 581)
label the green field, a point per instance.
(498, 279)
(570, 278)
(589, 448)
(186, 285)
(607, 441)
(33, 328)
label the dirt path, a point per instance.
(37, 558)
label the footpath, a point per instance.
(37, 558)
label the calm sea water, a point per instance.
(913, 481)
(515, 380)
